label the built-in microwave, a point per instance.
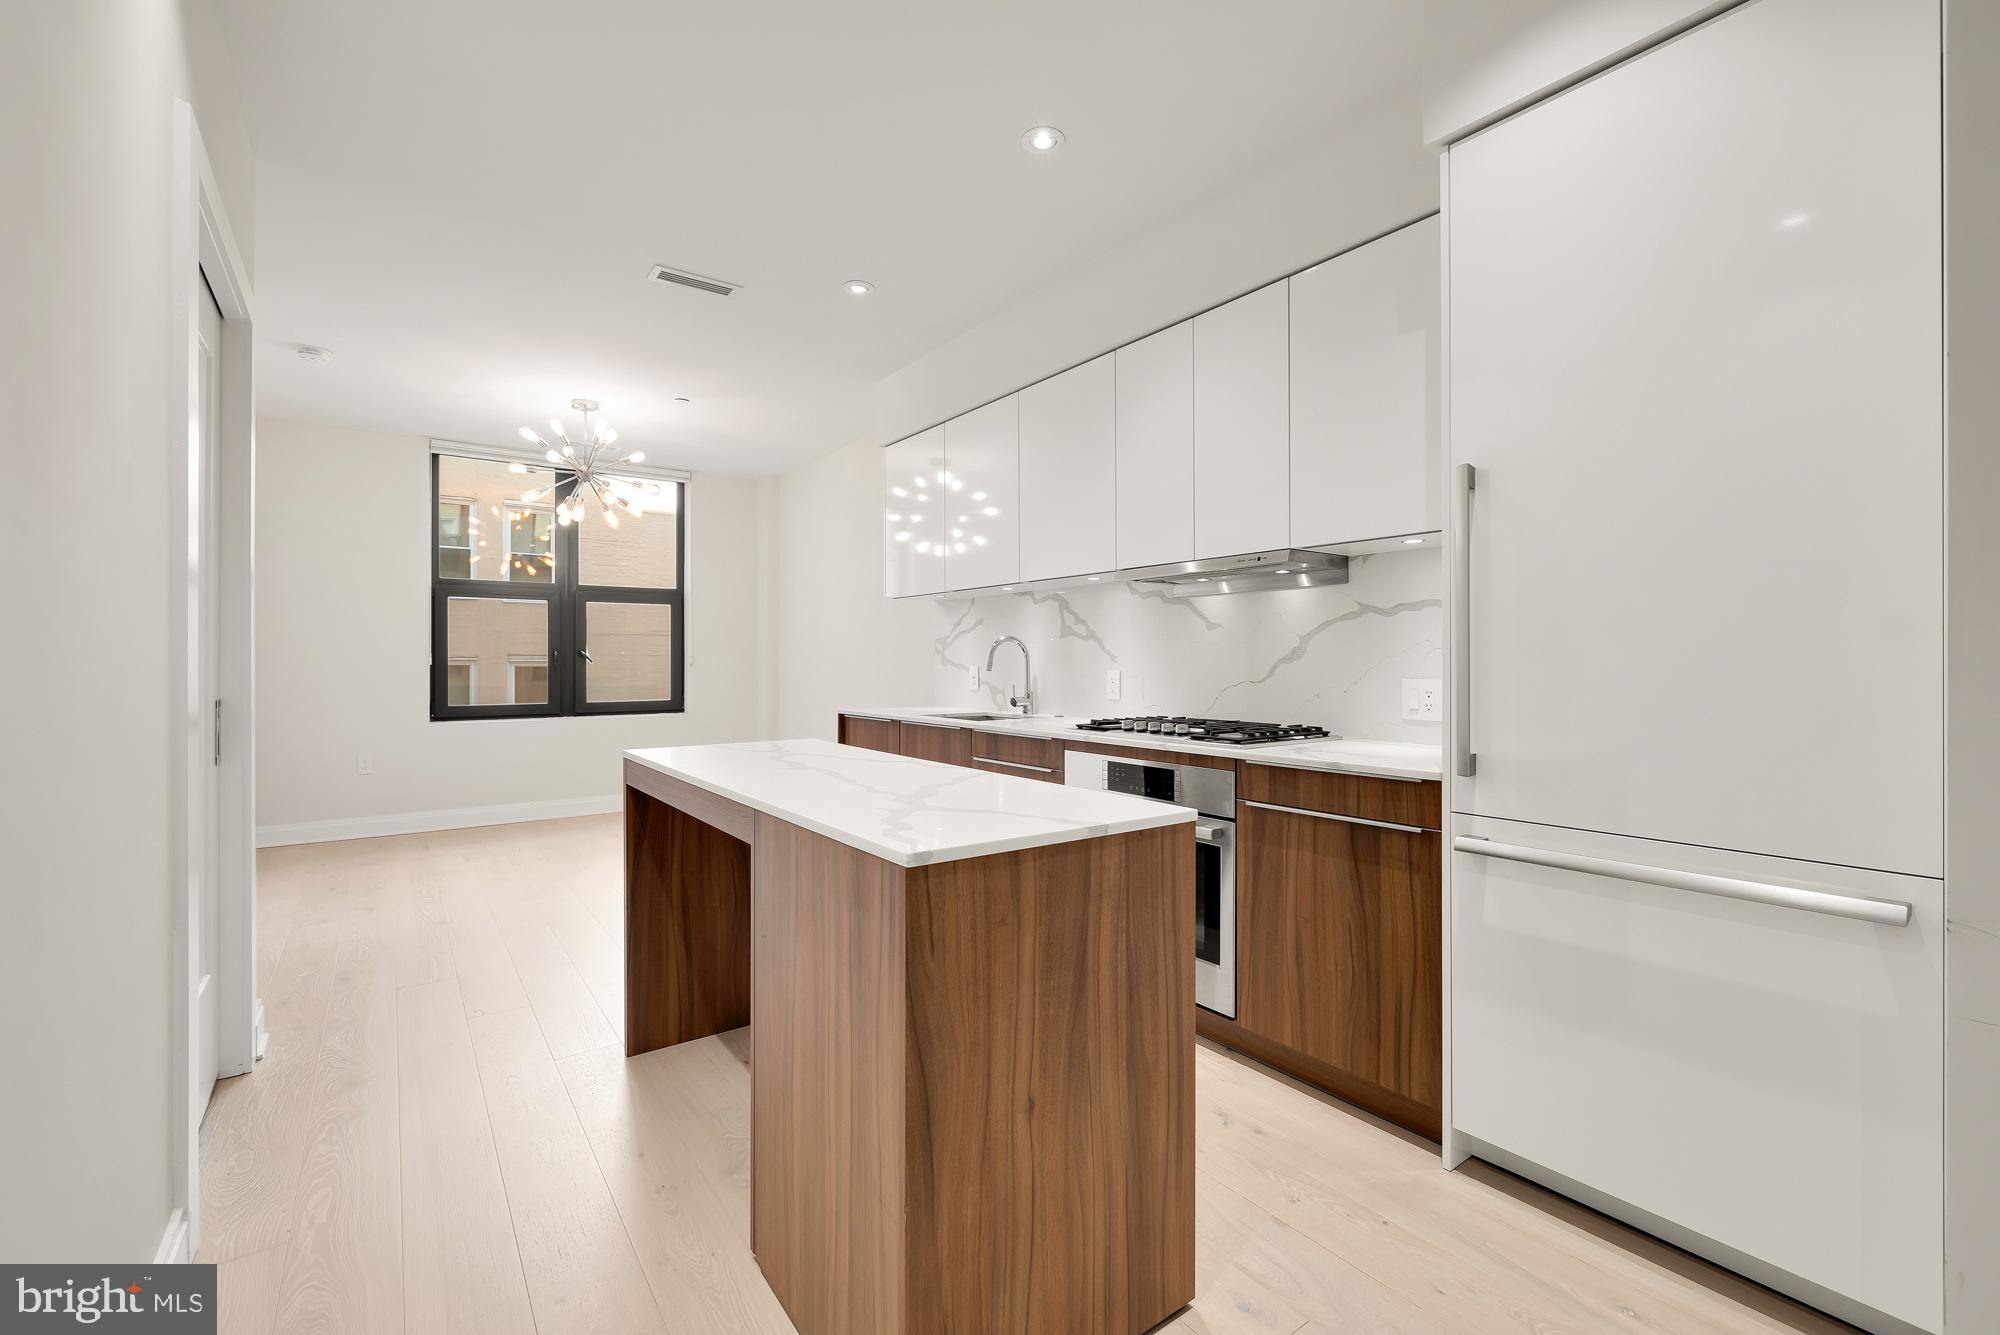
(1212, 793)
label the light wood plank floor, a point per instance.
(445, 1137)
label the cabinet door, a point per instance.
(1069, 472)
(876, 734)
(1364, 388)
(1241, 477)
(982, 470)
(1696, 359)
(912, 538)
(931, 741)
(1766, 1077)
(1155, 394)
(1338, 928)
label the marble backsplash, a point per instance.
(1335, 656)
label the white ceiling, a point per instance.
(461, 199)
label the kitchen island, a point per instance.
(972, 1069)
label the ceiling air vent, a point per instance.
(662, 274)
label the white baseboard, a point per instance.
(173, 1243)
(419, 822)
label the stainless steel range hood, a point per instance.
(1284, 568)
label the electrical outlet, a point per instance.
(363, 765)
(972, 679)
(1423, 699)
(1111, 683)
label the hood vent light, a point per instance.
(1284, 568)
(662, 274)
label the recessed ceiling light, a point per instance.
(857, 287)
(1412, 542)
(1091, 578)
(308, 353)
(1042, 139)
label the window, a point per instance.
(528, 681)
(530, 617)
(455, 537)
(461, 681)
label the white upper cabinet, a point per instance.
(980, 521)
(1155, 428)
(1241, 403)
(1364, 421)
(913, 546)
(1069, 473)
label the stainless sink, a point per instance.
(980, 717)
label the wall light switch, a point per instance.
(1111, 683)
(363, 765)
(972, 679)
(1423, 699)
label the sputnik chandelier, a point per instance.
(586, 458)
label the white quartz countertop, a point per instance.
(906, 811)
(1389, 760)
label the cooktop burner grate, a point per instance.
(1231, 732)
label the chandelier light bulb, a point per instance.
(636, 456)
(553, 457)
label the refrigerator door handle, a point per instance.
(1884, 912)
(1464, 762)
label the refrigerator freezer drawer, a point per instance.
(1762, 1070)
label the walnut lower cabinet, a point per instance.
(1339, 941)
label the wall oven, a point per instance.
(1212, 793)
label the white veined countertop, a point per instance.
(906, 811)
(1388, 760)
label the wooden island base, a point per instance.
(972, 1081)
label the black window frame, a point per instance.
(568, 603)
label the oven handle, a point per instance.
(1345, 820)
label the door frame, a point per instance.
(202, 243)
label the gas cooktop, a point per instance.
(1232, 732)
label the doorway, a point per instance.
(217, 1022)
(207, 856)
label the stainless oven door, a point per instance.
(1215, 915)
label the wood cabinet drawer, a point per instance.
(1396, 801)
(877, 734)
(931, 741)
(1340, 945)
(1029, 757)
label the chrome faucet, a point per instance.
(1025, 701)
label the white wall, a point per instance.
(343, 639)
(838, 643)
(1972, 746)
(842, 645)
(1483, 59)
(87, 91)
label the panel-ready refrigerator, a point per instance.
(1695, 415)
